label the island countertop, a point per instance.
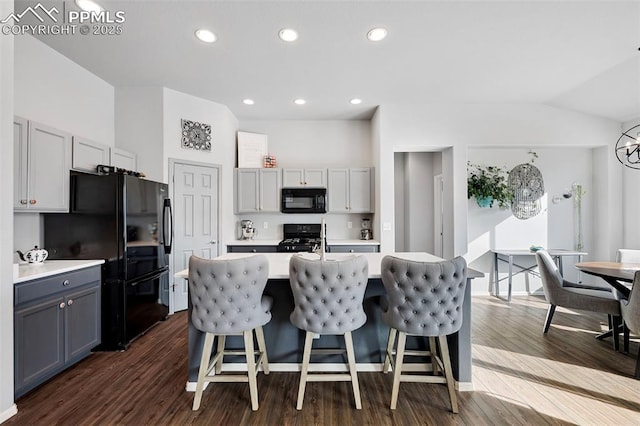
(279, 262)
(32, 271)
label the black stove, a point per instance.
(300, 237)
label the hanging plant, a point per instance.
(488, 184)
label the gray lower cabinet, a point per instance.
(56, 324)
(368, 248)
(252, 249)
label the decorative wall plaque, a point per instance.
(196, 135)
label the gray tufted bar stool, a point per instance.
(328, 299)
(423, 299)
(226, 296)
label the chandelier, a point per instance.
(527, 187)
(628, 148)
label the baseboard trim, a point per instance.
(290, 367)
(8, 413)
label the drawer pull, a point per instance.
(65, 283)
(62, 305)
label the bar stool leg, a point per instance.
(221, 343)
(306, 356)
(262, 347)
(397, 368)
(251, 368)
(433, 351)
(387, 357)
(204, 369)
(448, 373)
(352, 369)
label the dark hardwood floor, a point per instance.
(520, 377)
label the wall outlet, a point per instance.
(349, 224)
(265, 225)
(386, 226)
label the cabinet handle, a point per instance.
(65, 283)
(70, 302)
(212, 242)
(62, 305)
(351, 251)
(32, 201)
(23, 201)
(253, 251)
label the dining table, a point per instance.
(616, 274)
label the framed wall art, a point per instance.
(196, 135)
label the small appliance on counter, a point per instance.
(366, 233)
(35, 255)
(248, 230)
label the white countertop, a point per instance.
(32, 271)
(329, 242)
(279, 262)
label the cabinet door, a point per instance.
(247, 189)
(82, 322)
(49, 153)
(360, 199)
(122, 159)
(292, 178)
(270, 190)
(38, 343)
(87, 154)
(315, 177)
(20, 163)
(338, 190)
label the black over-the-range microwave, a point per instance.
(304, 200)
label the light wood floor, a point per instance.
(520, 377)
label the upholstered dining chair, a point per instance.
(558, 294)
(328, 296)
(422, 299)
(227, 299)
(631, 314)
(626, 256)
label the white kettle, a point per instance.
(34, 255)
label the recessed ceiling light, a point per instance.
(288, 34)
(377, 34)
(206, 35)
(355, 101)
(299, 102)
(248, 101)
(89, 6)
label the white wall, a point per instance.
(322, 143)
(425, 127)
(7, 406)
(631, 201)
(139, 127)
(177, 106)
(52, 89)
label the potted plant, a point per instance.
(488, 184)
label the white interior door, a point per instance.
(438, 228)
(196, 226)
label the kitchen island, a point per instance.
(285, 342)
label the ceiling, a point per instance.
(579, 55)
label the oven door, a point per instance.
(146, 303)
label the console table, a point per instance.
(506, 256)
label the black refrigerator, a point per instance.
(127, 221)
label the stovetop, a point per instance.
(300, 237)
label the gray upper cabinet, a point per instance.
(350, 190)
(304, 177)
(88, 154)
(42, 156)
(257, 190)
(123, 159)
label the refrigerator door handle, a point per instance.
(167, 235)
